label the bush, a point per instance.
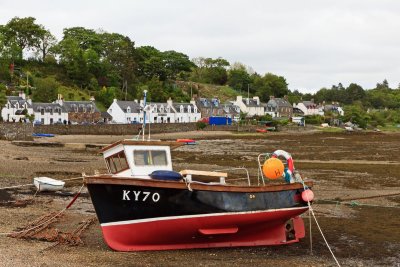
(201, 125)
(314, 119)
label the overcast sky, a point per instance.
(312, 43)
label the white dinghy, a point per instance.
(48, 184)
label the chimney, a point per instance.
(271, 97)
(257, 99)
(29, 101)
(136, 101)
(92, 98)
(169, 101)
(192, 101)
(59, 99)
(22, 95)
(285, 97)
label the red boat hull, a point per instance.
(255, 228)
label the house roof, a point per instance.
(47, 106)
(279, 102)
(13, 100)
(229, 108)
(298, 111)
(208, 103)
(71, 105)
(185, 106)
(134, 106)
(158, 105)
(252, 102)
(106, 115)
(309, 104)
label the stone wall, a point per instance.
(16, 131)
(131, 129)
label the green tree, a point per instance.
(175, 63)
(356, 114)
(208, 70)
(24, 32)
(46, 42)
(271, 84)
(46, 89)
(3, 98)
(238, 78)
(119, 57)
(150, 63)
(354, 92)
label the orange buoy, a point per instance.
(307, 195)
(273, 168)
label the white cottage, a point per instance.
(16, 108)
(50, 113)
(132, 112)
(186, 112)
(251, 106)
(125, 112)
(308, 108)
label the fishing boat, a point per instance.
(143, 204)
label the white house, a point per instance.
(50, 113)
(186, 112)
(125, 111)
(251, 106)
(16, 107)
(308, 108)
(132, 112)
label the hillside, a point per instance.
(223, 92)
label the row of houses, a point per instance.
(19, 107)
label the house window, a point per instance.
(42, 111)
(42, 121)
(59, 111)
(51, 111)
(150, 158)
(128, 110)
(117, 162)
(51, 121)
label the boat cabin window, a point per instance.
(117, 162)
(150, 157)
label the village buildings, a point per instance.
(18, 108)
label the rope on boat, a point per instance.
(48, 221)
(319, 228)
(24, 185)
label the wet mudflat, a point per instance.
(352, 174)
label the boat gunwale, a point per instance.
(171, 144)
(109, 179)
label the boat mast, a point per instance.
(144, 112)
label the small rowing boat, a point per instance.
(48, 184)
